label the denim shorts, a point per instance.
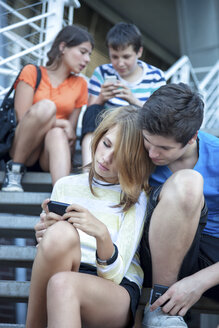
(203, 252)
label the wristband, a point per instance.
(110, 260)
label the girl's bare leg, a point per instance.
(75, 299)
(55, 254)
(56, 156)
(86, 149)
(31, 130)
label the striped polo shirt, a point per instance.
(152, 78)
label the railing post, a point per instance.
(53, 23)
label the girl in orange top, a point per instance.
(47, 119)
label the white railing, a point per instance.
(209, 87)
(27, 31)
(183, 71)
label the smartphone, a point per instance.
(111, 78)
(157, 292)
(57, 207)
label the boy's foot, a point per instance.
(158, 318)
(13, 175)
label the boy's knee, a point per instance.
(185, 187)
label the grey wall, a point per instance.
(170, 28)
(198, 24)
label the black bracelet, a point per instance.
(109, 261)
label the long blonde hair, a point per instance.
(133, 163)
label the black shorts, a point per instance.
(90, 119)
(203, 252)
(33, 168)
(131, 287)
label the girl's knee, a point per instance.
(56, 134)
(58, 282)
(59, 239)
(62, 285)
(43, 111)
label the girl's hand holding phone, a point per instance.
(82, 219)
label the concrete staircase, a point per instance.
(19, 213)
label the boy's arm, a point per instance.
(92, 99)
(187, 291)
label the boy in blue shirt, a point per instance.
(180, 245)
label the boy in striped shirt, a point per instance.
(134, 80)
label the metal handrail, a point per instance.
(24, 52)
(18, 15)
(209, 76)
(182, 62)
(22, 42)
(208, 87)
(176, 66)
(26, 22)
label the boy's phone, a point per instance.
(157, 292)
(111, 78)
(57, 207)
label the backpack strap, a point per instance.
(39, 75)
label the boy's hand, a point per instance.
(123, 92)
(180, 297)
(107, 91)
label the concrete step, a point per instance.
(18, 256)
(8, 325)
(17, 225)
(22, 202)
(14, 291)
(204, 304)
(34, 181)
(22, 198)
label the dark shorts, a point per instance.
(203, 252)
(131, 287)
(90, 119)
(33, 168)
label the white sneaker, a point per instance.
(158, 318)
(13, 176)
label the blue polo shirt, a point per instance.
(208, 166)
